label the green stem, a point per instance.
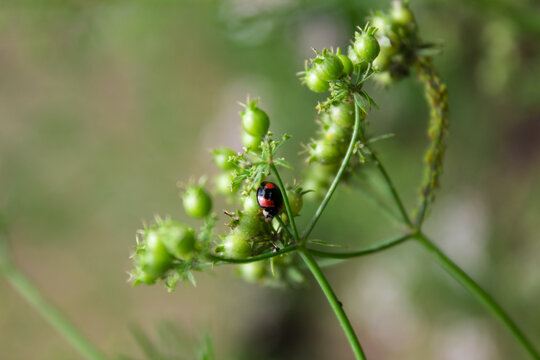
(34, 297)
(253, 258)
(366, 251)
(339, 174)
(285, 200)
(334, 303)
(468, 283)
(392, 189)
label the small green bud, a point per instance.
(295, 201)
(342, 113)
(328, 66)
(236, 246)
(346, 62)
(197, 202)
(250, 204)
(254, 271)
(178, 238)
(223, 183)
(254, 120)
(401, 14)
(251, 142)
(366, 45)
(314, 82)
(222, 156)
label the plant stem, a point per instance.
(366, 251)
(254, 258)
(339, 174)
(468, 283)
(285, 200)
(34, 297)
(334, 303)
(391, 188)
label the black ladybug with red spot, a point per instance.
(269, 199)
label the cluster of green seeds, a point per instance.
(341, 75)
(397, 34)
(170, 251)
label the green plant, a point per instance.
(276, 252)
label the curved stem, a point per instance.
(253, 258)
(334, 303)
(34, 297)
(285, 200)
(339, 174)
(468, 283)
(366, 251)
(392, 189)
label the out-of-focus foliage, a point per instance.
(105, 105)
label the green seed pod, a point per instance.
(153, 260)
(250, 204)
(254, 120)
(254, 271)
(221, 158)
(401, 14)
(337, 133)
(314, 83)
(328, 66)
(251, 142)
(236, 246)
(325, 152)
(353, 56)
(141, 276)
(223, 183)
(197, 202)
(346, 62)
(383, 23)
(366, 46)
(295, 201)
(383, 61)
(250, 225)
(342, 113)
(178, 238)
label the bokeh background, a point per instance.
(105, 105)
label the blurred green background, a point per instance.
(104, 106)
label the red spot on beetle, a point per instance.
(266, 202)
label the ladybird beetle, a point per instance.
(269, 199)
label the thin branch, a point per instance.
(391, 188)
(370, 250)
(336, 305)
(54, 317)
(468, 283)
(223, 260)
(285, 200)
(339, 174)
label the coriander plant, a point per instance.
(263, 239)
